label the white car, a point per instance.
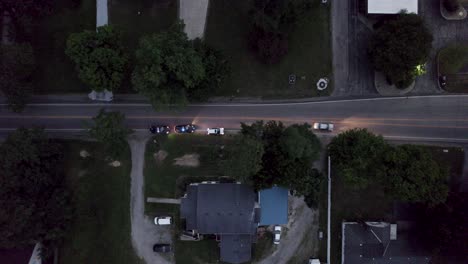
(215, 131)
(323, 126)
(162, 220)
(277, 232)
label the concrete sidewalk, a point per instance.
(194, 13)
(101, 13)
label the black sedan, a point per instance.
(160, 129)
(164, 248)
(189, 128)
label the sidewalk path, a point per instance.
(193, 13)
(144, 233)
(101, 13)
(339, 31)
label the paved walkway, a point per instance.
(339, 31)
(162, 200)
(194, 13)
(144, 233)
(101, 13)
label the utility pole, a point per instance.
(329, 211)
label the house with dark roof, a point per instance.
(379, 243)
(228, 210)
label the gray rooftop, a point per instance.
(371, 244)
(222, 208)
(235, 248)
(227, 209)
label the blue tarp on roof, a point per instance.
(273, 206)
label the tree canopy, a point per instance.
(243, 158)
(414, 176)
(34, 199)
(99, 56)
(398, 46)
(16, 67)
(271, 23)
(109, 129)
(357, 154)
(167, 66)
(287, 158)
(407, 173)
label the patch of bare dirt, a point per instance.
(84, 154)
(115, 163)
(188, 160)
(160, 156)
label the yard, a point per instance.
(55, 72)
(100, 231)
(137, 18)
(453, 63)
(309, 53)
(164, 179)
(372, 203)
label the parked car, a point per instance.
(443, 80)
(277, 232)
(160, 129)
(215, 131)
(323, 126)
(164, 248)
(163, 220)
(189, 128)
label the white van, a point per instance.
(163, 220)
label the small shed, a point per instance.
(273, 206)
(391, 6)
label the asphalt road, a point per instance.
(438, 118)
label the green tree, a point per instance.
(22, 13)
(357, 154)
(287, 159)
(398, 46)
(167, 67)
(34, 199)
(109, 129)
(217, 69)
(414, 176)
(16, 67)
(99, 57)
(243, 158)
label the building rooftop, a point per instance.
(274, 206)
(226, 209)
(371, 243)
(391, 6)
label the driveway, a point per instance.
(193, 13)
(353, 73)
(301, 234)
(144, 232)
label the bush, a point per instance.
(451, 5)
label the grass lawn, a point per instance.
(100, 232)
(453, 63)
(309, 53)
(161, 181)
(155, 16)
(263, 247)
(197, 252)
(55, 72)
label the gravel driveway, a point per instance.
(303, 225)
(144, 232)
